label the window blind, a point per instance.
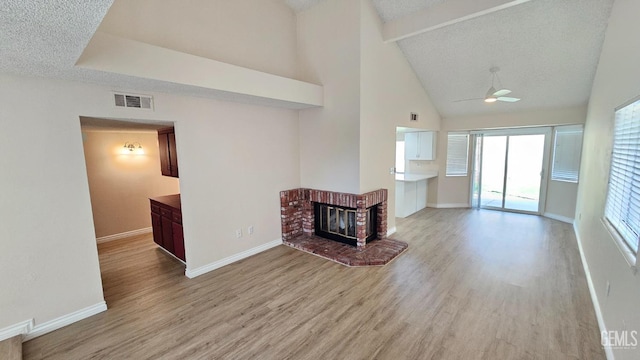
(457, 154)
(567, 149)
(623, 198)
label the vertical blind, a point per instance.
(623, 198)
(567, 149)
(457, 154)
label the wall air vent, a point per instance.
(134, 101)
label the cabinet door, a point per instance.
(421, 194)
(156, 224)
(411, 146)
(163, 148)
(178, 241)
(167, 234)
(409, 206)
(426, 145)
(173, 154)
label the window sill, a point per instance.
(628, 255)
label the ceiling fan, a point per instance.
(494, 95)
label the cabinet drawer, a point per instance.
(155, 208)
(177, 217)
(165, 212)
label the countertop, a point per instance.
(416, 177)
(169, 200)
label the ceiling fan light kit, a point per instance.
(494, 95)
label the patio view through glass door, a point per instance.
(509, 169)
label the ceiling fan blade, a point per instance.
(508, 99)
(502, 92)
(468, 99)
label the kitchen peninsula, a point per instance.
(411, 192)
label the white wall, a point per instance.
(234, 160)
(455, 190)
(389, 92)
(617, 81)
(329, 53)
(255, 34)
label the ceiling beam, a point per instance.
(441, 15)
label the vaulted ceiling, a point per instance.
(547, 49)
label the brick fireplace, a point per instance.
(298, 208)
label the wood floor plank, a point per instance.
(472, 285)
(11, 349)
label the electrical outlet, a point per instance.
(392, 170)
(608, 288)
(250, 230)
(239, 233)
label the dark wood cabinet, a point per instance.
(166, 220)
(168, 152)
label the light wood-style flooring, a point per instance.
(472, 285)
(11, 349)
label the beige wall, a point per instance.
(120, 184)
(389, 92)
(255, 34)
(543, 117)
(454, 191)
(234, 160)
(349, 145)
(617, 81)
(329, 51)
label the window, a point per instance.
(566, 153)
(457, 154)
(622, 210)
(400, 156)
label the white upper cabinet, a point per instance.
(420, 145)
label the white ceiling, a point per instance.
(547, 49)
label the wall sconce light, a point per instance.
(132, 148)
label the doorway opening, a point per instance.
(509, 170)
(123, 167)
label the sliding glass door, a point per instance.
(509, 169)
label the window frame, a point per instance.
(466, 157)
(630, 254)
(558, 175)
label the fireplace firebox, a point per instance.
(340, 223)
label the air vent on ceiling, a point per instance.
(134, 101)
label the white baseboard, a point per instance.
(123, 235)
(55, 324)
(447, 206)
(21, 328)
(565, 219)
(231, 259)
(592, 291)
(391, 231)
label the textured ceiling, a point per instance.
(547, 49)
(394, 9)
(46, 38)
